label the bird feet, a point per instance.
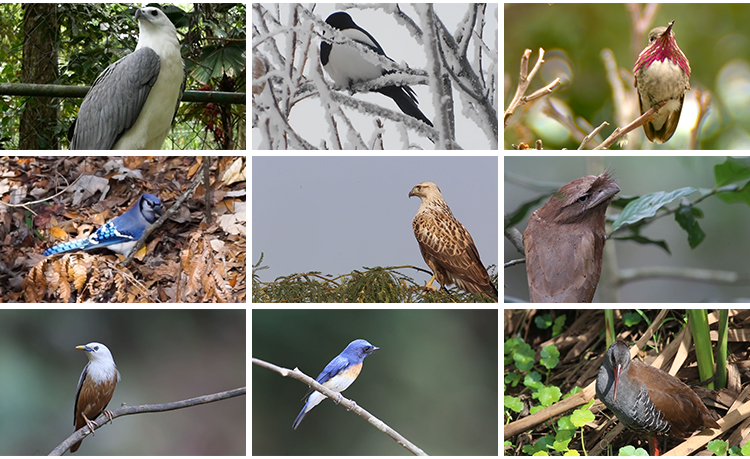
(90, 424)
(110, 415)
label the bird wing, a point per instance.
(447, 242)
(560, 265)
(78, 394)
(333, 368)
(115, 101)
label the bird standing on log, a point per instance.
(647, 399)
(95, 387)
(564, 241)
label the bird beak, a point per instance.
(84, 348)
(618, 370)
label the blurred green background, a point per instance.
(725, 247)
(714, 37)
(163, 356)
(434, 380)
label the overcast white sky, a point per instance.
(338, 214)
(307, 116)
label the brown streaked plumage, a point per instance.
(95, 387)
(446, 246)
(564, 241)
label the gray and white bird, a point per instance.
(132, 104)
(95, 387)
(347, 64)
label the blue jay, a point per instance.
(118, 235)
(346, 64)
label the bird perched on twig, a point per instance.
(95, 387)
(564, 241)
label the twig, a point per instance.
(638, 122)
(711, 276)
(592, 134)
(339, 399)
(704, 103)
(523, 85)
(125, 410)
(172, 210)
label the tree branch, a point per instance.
(125, 410)
(337, 398)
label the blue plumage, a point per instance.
(118, 235)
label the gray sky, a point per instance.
(338, 214)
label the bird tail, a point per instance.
(67, 246)
(299, 417)
(406, 100)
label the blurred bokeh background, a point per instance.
(725, 247)
(162, 355)
(714, 37)
(434, 380)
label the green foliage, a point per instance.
(94, 35)
(632, 451)
(718, 447)
(518, 215)
(519, 359)
(686, 217)
(550, 357)
(540, 446)
(544, 321)
(638, 212)
(513, 403)
(371, 285)
(631, 319)
(646, 206)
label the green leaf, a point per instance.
(686, 218)
(562, 440)
(718, 447)
(519, 214)
(631, 319)
(550, 356)
(646, 206)
(734, 194)
(632, 451)
(559, 325)
(732, 170)
(533, 381)
(580, 417)
(513, 403)
(549, 395)
(645, 240)
(564, 424)
(543, 321)
(524, 357)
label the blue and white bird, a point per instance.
(346, 64)
(118, 235)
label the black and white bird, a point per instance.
(347, 64)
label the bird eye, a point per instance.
(96, 348)
(583, 198)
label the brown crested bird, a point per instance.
(564, 241)
(648, 400)
(446, 246)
